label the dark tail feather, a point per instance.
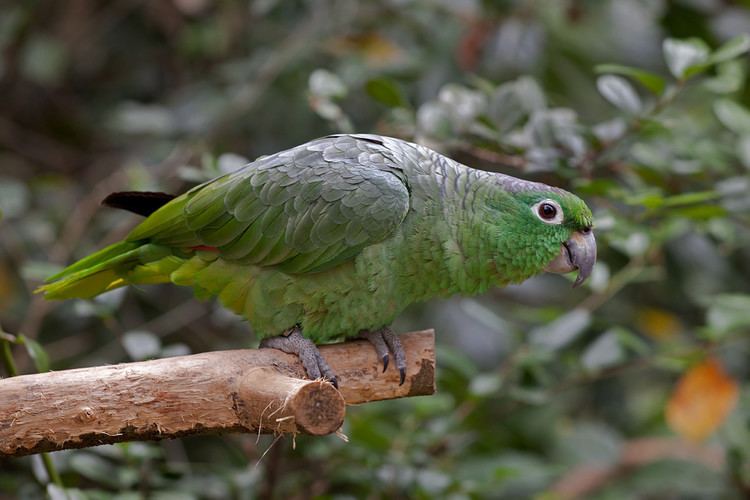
(139, 202)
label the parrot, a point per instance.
(332, 239)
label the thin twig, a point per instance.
(49, 466)
(10, 365)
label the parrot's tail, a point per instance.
(117, 265)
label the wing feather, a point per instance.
(304, 209)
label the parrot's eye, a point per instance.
(548, 211)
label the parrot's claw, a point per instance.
(386, 343)
(292, 342)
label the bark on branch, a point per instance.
(253, 390)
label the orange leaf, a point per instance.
(703, 398)
(376, 49)
(658, 324)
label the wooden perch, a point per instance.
(249, 390)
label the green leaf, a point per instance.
(433, 482)
(36, 353)
(141, 344)
(95, 468)
(730, 77)
(619, 93)
(687, 57)
(700, 212)
(506, 109)
(323, 83)
(228, 163)
(734, 191)
(386, 92)
(589, 443)
(728, 313)
(463, 104)
(14, 197)
(646, 200)
(530, 94)
(485, 384)
(731, 49)
(733, 116)
(44, 60)
(561, 332)
(512, 102)
(454, 360)
(595, 187)
(690, 198)
(603, 352)
(55, 492)
(651, 81)
(631, 341)
(39, 270)
(434, 119)
(743, 150)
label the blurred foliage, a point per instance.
(639, 106)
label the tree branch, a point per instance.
(250, 390)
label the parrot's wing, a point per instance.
(303, 210)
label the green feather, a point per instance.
(337, 235)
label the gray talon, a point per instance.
(292, 342)
(386, 343)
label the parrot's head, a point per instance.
(561, 227)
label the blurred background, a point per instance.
(634, 386)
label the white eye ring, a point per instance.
(548, 211)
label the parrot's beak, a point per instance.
(579, 252)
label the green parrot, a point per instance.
(334, 238)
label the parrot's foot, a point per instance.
(292, 342)
(386, 343)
